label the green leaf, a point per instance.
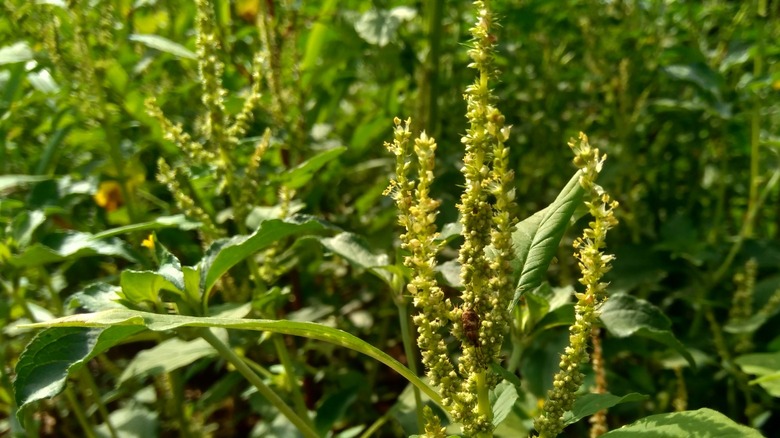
(624, 316)
(25, 224)
(379, 27)
(176, 221)
(159, 322)
(702, 423)
(697, 73)
(164, 45)
(226, 253)
(536, 239)
(58, 247)
(144, 286)
(300, 175)
(589, 404)
(170, 267)
(357, 252)
(764, 365)
(56, 352)
(506, 395)
(17, 52)
(11, 182)
(169, 355)
(96, 297)
(133, 421)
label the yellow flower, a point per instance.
(109, 196)
(149, 242)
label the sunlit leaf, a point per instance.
(702, 423)
(164, 45)
(536, 239)
(69, 246)
(226, 253)
(160, 322)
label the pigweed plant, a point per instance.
(483, 316)
(240, 196)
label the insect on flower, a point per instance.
(470, 321)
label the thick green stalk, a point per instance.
(227, 353)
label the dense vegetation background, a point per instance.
(682, 96)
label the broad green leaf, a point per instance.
(589, 404)
(316, 39)
(144, 286)
(54, 353)
(226, 253)
(169, 355)
(506, 375)
(164, 45)
(17, 52)
(379, 27)
(356, 251)
(11, 182)
(61, 246)
(25, 224)
(176, 221)
(697, 73)
(333, 407)
(536, 239)
(300, 175)
(96, 297)
(702, 423)
(132, 421)
(764, 365)
(160, 322)
(506, 394)
(170, 267)
(624, 316)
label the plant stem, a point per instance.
(227, 353)
(483, 398)
(87, 377)
(81, 416)
(292, 382)
(411, 357)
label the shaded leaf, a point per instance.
(624, 316)
(54, 353)
(300, 175)
(589, 404)
(169, 355)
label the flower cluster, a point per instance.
(593, 264)
(487, 208)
